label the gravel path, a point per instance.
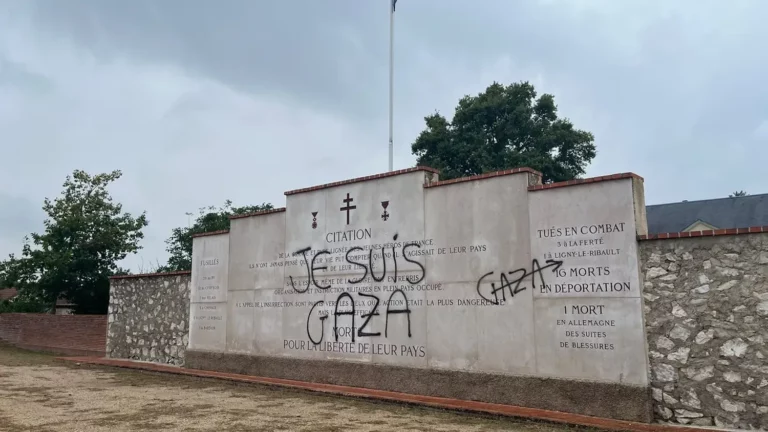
(41, 394)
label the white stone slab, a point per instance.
(590, 228)
(596, 339)
(241, 307)
(208, 326)
(210, 265)
(477, 227)
(268, 322)
(256, 252)
(466, 332)
(473, 284)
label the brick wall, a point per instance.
(60, 334)
(10, 328)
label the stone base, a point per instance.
(605, 400)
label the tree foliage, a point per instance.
(23, 303)
(503, 128)
(209, 219)
(740, 193)
(85, 235)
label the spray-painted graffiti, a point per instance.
(514, 283)
(361, 331)
(394, 307)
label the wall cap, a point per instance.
(143, 275)
(258, 213)
(704, 233)
(210, 233)
(577, 182)
(483, 176)
(362, 179)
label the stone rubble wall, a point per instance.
(706, 315)
(149, 317)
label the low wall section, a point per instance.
(82, 335)
(149, 317)
(706, 308)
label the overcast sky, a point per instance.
(202, 101)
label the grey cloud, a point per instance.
(18, 218)
(315, 52)
(16, 76)
(203, 101)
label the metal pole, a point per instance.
(391, 74)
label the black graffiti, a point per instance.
(374, 311)
(407, 311)
(357, 264)
(423, 271)
(514, 284)
(310, 271)
(312, 268)
(322, 318)
(336, 315)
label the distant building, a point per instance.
(64, 307)
(720, 213)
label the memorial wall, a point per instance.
(492, 288)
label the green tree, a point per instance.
(85, 235)
(23, 303)
(209, 219)
(503, 128)
(738, 194)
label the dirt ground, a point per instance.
(39, 393)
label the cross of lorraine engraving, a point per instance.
(347, 201)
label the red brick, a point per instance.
(360, 179)
(258, 213)
(719, 232)
(433, 401)
(142, 275)
(484, 176)
(585, 181)
(67, 334)
(210, 233)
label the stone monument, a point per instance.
(493, 288)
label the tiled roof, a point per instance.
(722, 213)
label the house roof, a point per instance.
(8, 293)
(735, 212)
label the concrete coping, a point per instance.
(704, 233)
(144, 275)
(362, 179)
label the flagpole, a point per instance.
(391, 73)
